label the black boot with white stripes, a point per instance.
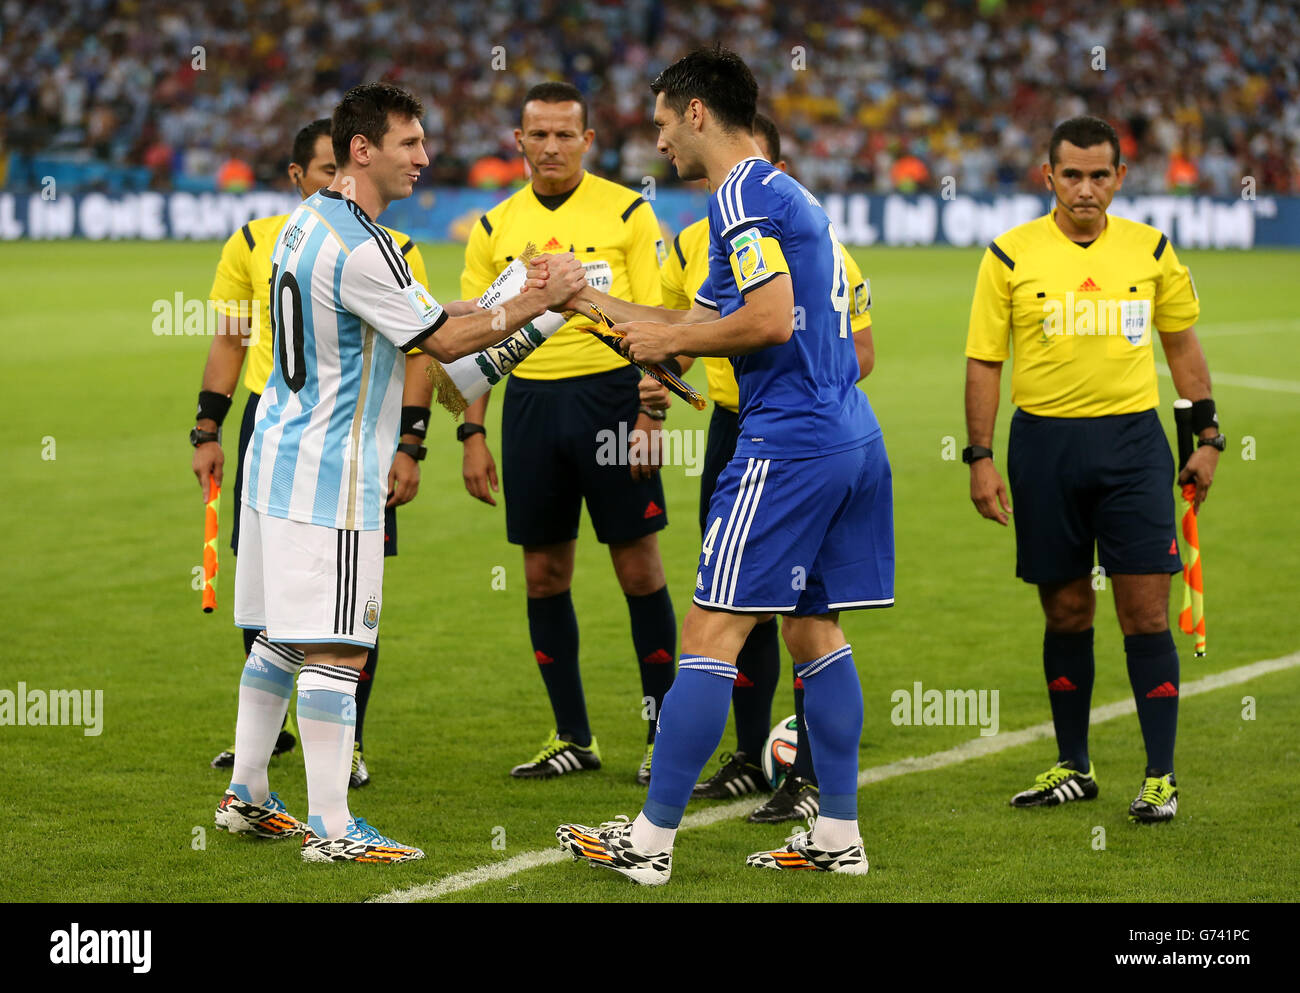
(1059, 784)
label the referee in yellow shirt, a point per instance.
(1077, 295)
(241, 293)
(559, 404)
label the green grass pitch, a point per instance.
(102, 539)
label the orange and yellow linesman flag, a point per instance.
(656, 370)
(211, 515)
(1191, 619)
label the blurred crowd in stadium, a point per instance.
(870, 96)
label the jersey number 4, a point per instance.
(287, 302)
(839, 284)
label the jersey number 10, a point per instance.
(295, 375)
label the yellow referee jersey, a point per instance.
(244, 278)
(1079, 320)
(613, 232)
(684, 272)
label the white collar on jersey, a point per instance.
(752, 158)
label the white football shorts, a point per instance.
(304, 583)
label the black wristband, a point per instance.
(415, 420)
(463, 431)
(672, 365)
(1204, 415)
(213, 406)
(416, 452)
(973, 453)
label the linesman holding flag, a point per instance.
(1077, 295)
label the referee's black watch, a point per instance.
(198, 437)
(1218, 441)
(417, 452)
(973, 453)
(464, 431)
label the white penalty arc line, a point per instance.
(967, 750)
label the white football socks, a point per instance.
(650, 838)
(831, 834)
(327, 718)
(264, 689)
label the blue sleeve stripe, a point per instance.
(1002, 256)
(677, 244)
(1160, 248)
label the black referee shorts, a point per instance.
(552, 432)
(245, 436)
(724, 432)
(1080, 481)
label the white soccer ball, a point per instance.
(779, 752)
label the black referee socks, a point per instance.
(654, 637)
(553, 627)
(1068, 665)
(1153, 674)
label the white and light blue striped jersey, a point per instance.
(344, 309)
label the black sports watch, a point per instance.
(417, 452)
(973, 453)
(198, 437)
(464, 431)
(1218, 441)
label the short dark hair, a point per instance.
(765, 126)
(364, 110)
(556, 93)
(1083, 132)
(304, 143)
(716, 77)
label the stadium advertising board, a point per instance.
(446, 215)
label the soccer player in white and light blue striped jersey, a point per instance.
(344, 310)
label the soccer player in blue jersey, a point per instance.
(344, 310)
(801, 521)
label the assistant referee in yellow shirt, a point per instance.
(1076, 296)
(559, 404)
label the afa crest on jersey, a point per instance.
(371, 616)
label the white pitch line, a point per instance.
(967, 750)
(1264, 325)
(1250, 382)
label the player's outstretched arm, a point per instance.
(766, 319)
(623, 311)
(552, 280)
(987, 490)
(220, 375)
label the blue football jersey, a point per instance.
(799, 399)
